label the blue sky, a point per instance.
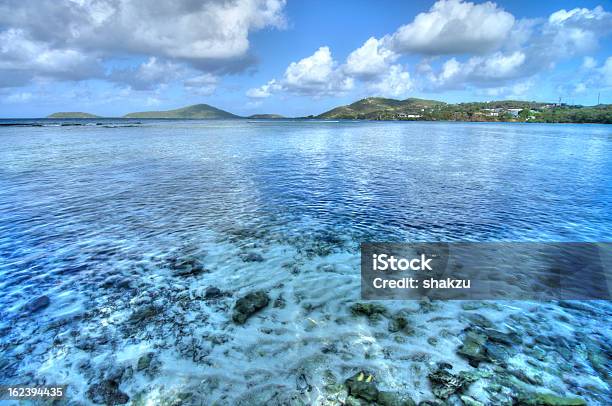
(112, 57)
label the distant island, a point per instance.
(412, 109)
(197, 111)
(266, 116)
(72, 114)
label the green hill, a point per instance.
(197, 111)
(374, 107)
(72, 114)
(266, 116)
(378, 108)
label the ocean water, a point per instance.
(102, 221)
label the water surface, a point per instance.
(95, 217)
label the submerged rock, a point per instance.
(280, 302)
(144, 361)
(37, 304)
(473, 348)
(362, 386)
(399, 323)
(187, 266)
(143, 313)
(213, 293)
(545, 399)
(393, 399)
(478, 320)
(252, 257)
(444, 383)
(107, 392)
(486, 344)
(246, 306)
(370, 310)
(469, 401)
(502, 338)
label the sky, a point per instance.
(296, 58)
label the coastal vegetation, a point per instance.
(376, 108)
(197, 111)
(412, 109)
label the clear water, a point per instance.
(81, 205)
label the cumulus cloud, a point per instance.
(454, 27)
(320, 75)
(371, 59)
(265, 90)
(576, 31)
(395, 82)
(69, 36)
(316, 75)
(22, 58)
(480, 71)
(535, 46)
(149, 75)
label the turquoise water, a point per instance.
(96, 217)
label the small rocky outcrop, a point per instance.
(213, 293)
(362, 390)
(400, 323)
(107, 392)
(444, 383)
(362, 386)
(473, 347)
(144, 361)
(144, 313)
(186, 266)
(248, 305)
(372, 311)
(251, 257)
(486, 344)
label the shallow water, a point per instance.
(96, 218)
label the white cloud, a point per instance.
(204, 85)
(454, 27)
(23, 57)
(497, 66)
(395, 83)
(450, 69)
(606, 72)
(517, 91)
(150, 74)
(576, 31)
(68, 38)
(589, 62)
(580, 88)
(191, 30)
(480, 71)
(264, 91)
(316, 75)
(371, 59)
